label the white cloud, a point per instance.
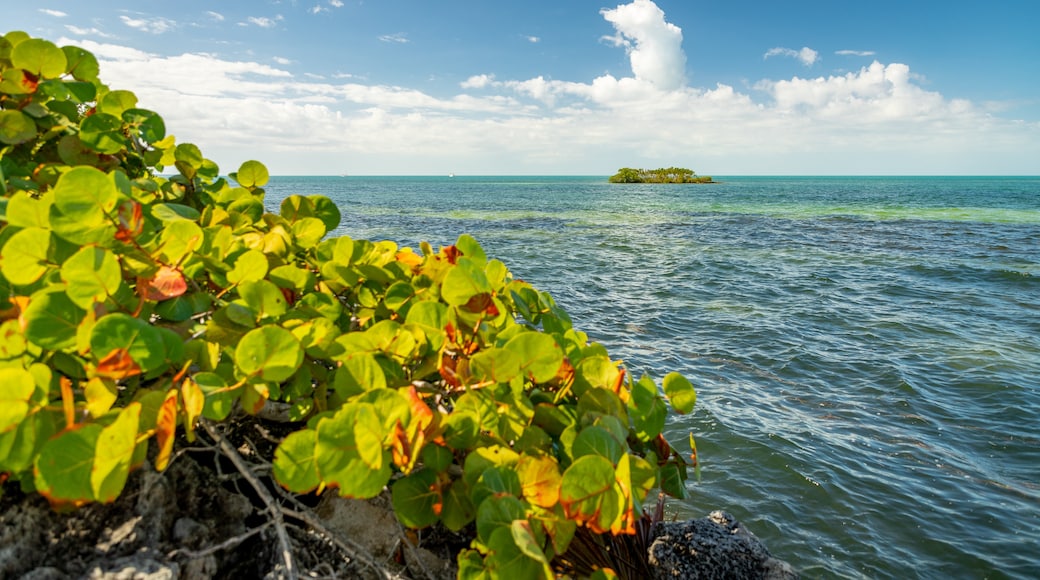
(54, 13)
(281, 60)
(216, 16)
(398, 37)
(156, 25)
(855, 52)
(86, 31)
(875, 119)
(318, 9)
(477, 81)
(654, 45)
(807, 55)
(533, 39)
(262, 21)
(336, 3)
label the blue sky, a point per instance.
(724, 87)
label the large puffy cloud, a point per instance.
(654, 45)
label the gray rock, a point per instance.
(713, 548)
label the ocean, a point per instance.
(866, 351)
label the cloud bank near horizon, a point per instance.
(876, 118)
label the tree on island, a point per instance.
(661, 175)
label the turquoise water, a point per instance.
(866, 350)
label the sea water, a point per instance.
(866, 351)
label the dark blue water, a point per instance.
(866, 350)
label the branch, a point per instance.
(273, 508)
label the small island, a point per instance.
(662, 175)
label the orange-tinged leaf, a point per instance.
(165, 429)
(422, 416)
(410, 259)
(100, 395)
(167, 283)
(117, 365)
(131, 221)
(540, 479)
(193, 401)
(68, 404)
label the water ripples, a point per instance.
(866, 351)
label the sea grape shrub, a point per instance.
(133, 304)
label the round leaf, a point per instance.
(40, 57)
(91, 274)
(680, 392)
(51, 320)
(540, 356)
(24, 258)
(103, 133)
(16, 127)
(269, 352)
(294, 464)
(252, 174)
(414, 498)
(121, 332)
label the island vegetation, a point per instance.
(139, 312)
(661, 175)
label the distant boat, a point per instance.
(451, 175)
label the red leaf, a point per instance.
(167, 283)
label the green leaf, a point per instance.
(16, 390)
(326, 210)
(540, 355)
(24, 258)
(219, 401)
(415, 497)
(51, 320)
(180, 238)
(102, 133)
(40, 57)
(16, 127)
(588, 493)
(497, 512)
(647, 409)
(471, 249)
(118, 331)
(463, 282)
(252, 174)
(249, 267)
(358, 374)
(497, 365)
(27, 212)
(595, 440)
(263, 298)
(65, 464)
(350, 452)
(508, 560)
(83, 197)
(82, 65)
(680, 392)
(308, 231)
(294, 464)
(169, 212)
(458, 510)
(115, 102)
(113, 454)
(270, 353)
(91, 275)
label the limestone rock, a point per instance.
(713, 548)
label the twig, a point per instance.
(272, 507)
(347, 546)
(228, 543)
(411, 550)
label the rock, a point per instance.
(713, 548)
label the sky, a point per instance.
(576, 87)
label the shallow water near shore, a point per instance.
(866, 351)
